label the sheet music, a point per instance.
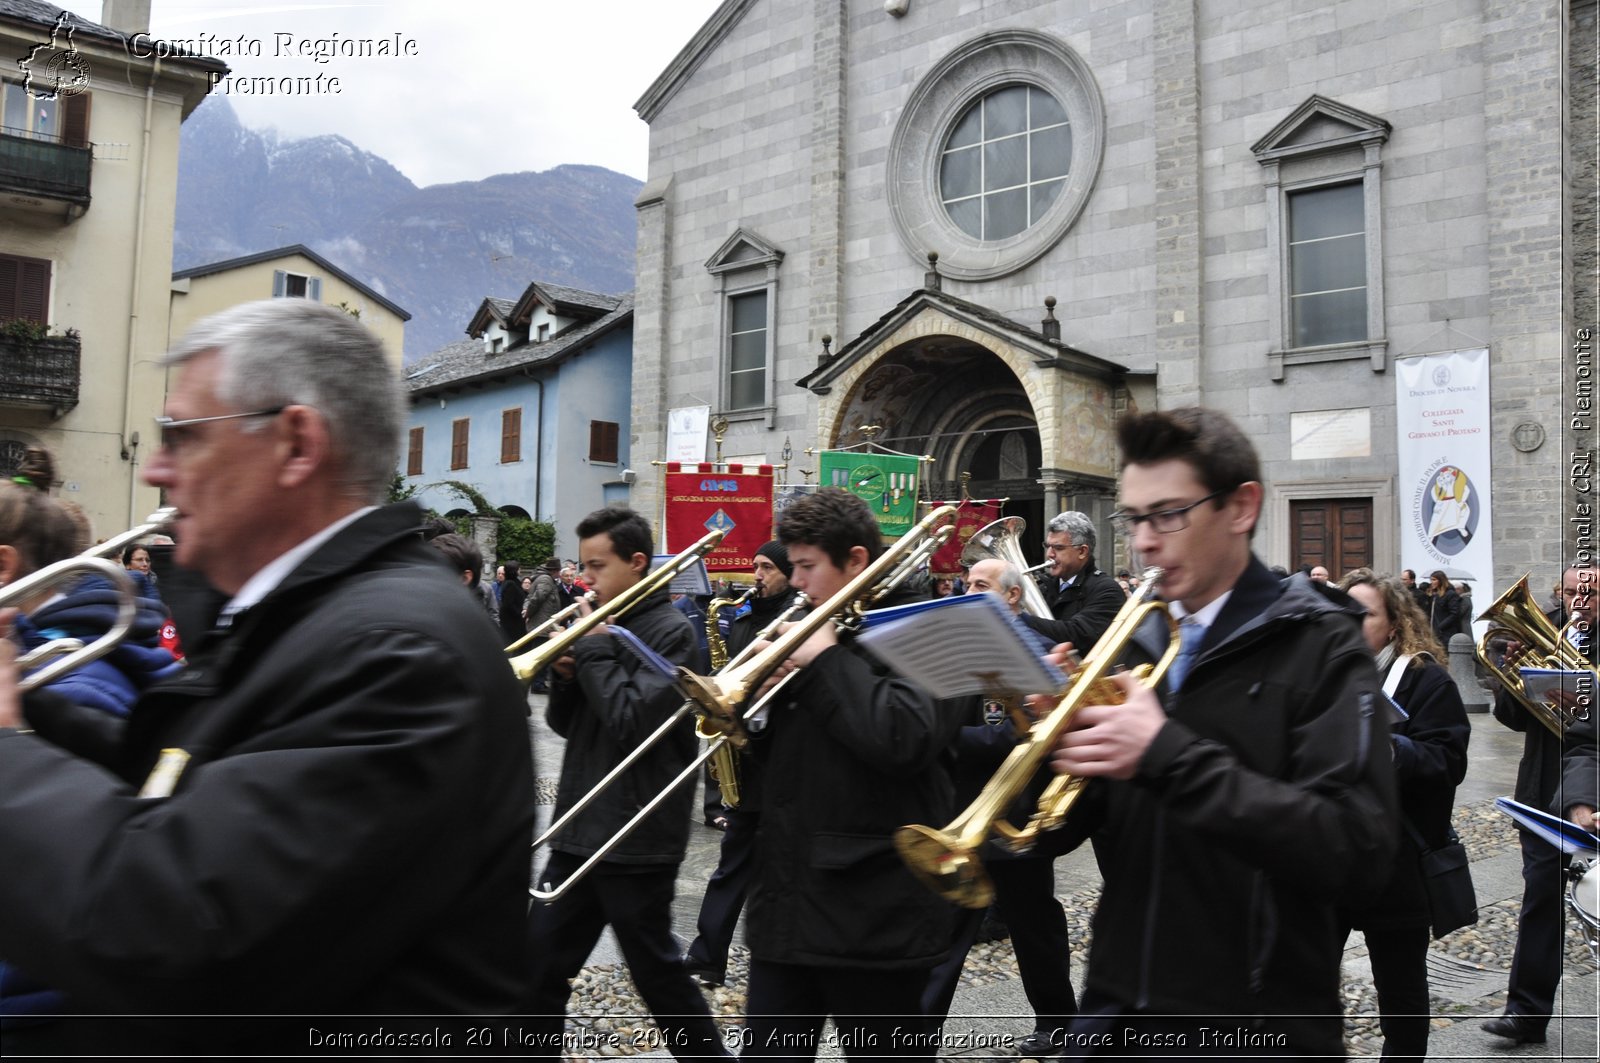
(650, 657)
(971, 644)
(1539, 683)
(1568, 837)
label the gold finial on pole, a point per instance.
(719, 428)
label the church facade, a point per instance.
(986, 229)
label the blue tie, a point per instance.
(1190, 632)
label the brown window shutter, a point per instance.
(414, 453)
(75, 124)
(458, 442)
(24, 289)
(603, 441)
(511, 435)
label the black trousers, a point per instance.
(1025, 896)
(875, 1012)
(637, 904)
(1107, 1028)
(1536, 963)
(1399, 958)
(725, 893)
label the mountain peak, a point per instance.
(437, 251)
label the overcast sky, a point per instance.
(493, 86)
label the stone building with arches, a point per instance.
(989, 229)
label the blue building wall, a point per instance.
(553, 479)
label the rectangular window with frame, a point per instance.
(603, 436)
(61, 120)
(747, 350)
(414, 452)
(511, 435)
(1328, 265)
(286, 285)
(458, 442)
(24, 289)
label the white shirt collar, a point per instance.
(277, 570)
(1206, 616)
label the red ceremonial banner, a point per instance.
(972, 515)
(736, 499)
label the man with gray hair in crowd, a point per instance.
(327, 813)
(1083, 599)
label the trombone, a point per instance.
(74, 653)
(947, 860)
(720, 698)
(528, 664)
(586, 598)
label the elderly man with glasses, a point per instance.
(1083, 599)
(327, 813)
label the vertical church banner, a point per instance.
(971, 514)
(888, 483)
(737, 499)
(1442, 419)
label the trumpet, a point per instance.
(74, 653)
(1516, 616)
(529, 664)
(554, 622)
(947, 860)
(719, 705)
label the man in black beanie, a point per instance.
(707, 958)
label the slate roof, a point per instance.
(466, 362)
(563, 301)
(285, 252)
(41, 15)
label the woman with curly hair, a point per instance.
(1430, 760)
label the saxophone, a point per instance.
(725, 761)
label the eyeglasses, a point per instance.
(173, 436)
(1164, 521)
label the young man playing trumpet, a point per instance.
(605, 701)
(836, 924)
(1233, 810)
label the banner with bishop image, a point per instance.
(736, 499)
(888, 483)
(1442, 420)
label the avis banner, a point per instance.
(736, 499)
(1442, 419)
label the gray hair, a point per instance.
(1078, 526)
(1010, 578)
(297, 352)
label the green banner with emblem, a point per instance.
(888, 483)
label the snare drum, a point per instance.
(1583, 897)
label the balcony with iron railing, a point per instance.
(39, 372)
(43, 166)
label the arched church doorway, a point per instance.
(960, 403)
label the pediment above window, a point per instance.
(745, 249)
(1320, 125)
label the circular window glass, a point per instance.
(1005, 162)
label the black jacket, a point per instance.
(1082, 612)
(512, 625)
(349, 835)
(1430, 760)
(613, 702)
(849, 754)
(1581, 778)
(1444, 614)
(1263, 803)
